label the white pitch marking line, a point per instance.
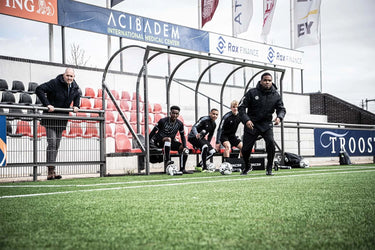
(185, 183)
(176, 179)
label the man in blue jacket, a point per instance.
(261, 102)
(60, 93)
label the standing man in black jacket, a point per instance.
(59, 92)
(205, 126)
(261, 102)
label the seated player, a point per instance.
(163, 135)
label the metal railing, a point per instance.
(82, 147)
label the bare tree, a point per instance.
(77, 55)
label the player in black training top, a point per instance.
(205, 126)
(163, 135)
(226, 133)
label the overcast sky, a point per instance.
(348, 38)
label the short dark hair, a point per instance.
(214, 109)
(266, 74)
(175, 108)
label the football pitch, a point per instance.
(331, 207)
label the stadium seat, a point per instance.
(134, 106)
(80, 114)
(119, 118)
(120, 129)
(122, 144)
(24, 128)
(25, 99)
(37, 101)
(149, 119)
(157, 117)
(85, 103)
(124, 105)
(108, 131)
(91, 131)
(31, 88)
(98, 104)
(41, 131)
(100, 94)
(110, 105)
(3, 85)
(134, 98)
(115, 94)
(89, 92)
(75, 130)
(133, 118)
(17, 86)
(181, 118)
(157, 108)
(8, 97)
(125, 95)
(109, 117)
(93, 115)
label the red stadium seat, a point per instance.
(98, 103)
(124, 105)
(91, 131)
(85, 103)
(115, 94)
(119, 118)
(125, 95)
(110, 105)
(181, 118)
(120, 129)
(122, 144)
(157, 108)
(75, 130)
(41, 131)
(109, 117)
(79, 114)
(134, 98)
(157, 117)
(133, 117)
(149, 119)
(89, 92)
(108, 131)
(24, 128)
(100, 94)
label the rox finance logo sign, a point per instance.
(39, 10)
(229, 47)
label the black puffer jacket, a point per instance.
(204, 123)
(261, 104)
(55, 93)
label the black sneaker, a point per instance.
(246, 171)
(269, 172)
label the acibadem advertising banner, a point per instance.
(329, 142)
(111, 22)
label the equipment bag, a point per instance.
(295, 161)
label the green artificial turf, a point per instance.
(314, 208)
